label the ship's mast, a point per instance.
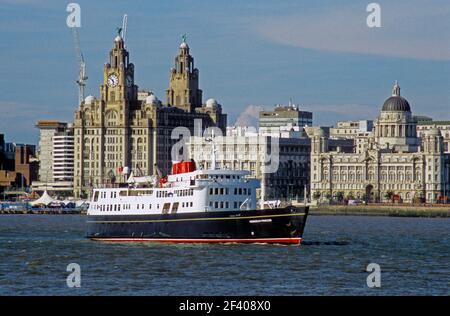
(213, 154)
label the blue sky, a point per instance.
(254, 52)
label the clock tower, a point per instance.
(118, 77)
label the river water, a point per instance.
(413, 255)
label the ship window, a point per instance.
(227, 205)
(216, 204)
(166, 208)
(175, 208)
(138, 206)
(228, 177)
(221, 191)
(249, 191)
(245, 191)
(96, 196)
(227, 191)
(240, 191)
(235, 191)
(211, 191)
(143, 206)
(192, 204)
(235, 204)
(216, 191)
(118, 207)
(211, 203)
(221, 204)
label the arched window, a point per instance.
(111, 118)
(408, 177)
(351, 176)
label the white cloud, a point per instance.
(250, 116)
(410, 29)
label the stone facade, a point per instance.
(282, 164)
(394, 162)
(443, 126)
(129, 129)
(351, 129)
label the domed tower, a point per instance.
(184, 92)
(395, 128)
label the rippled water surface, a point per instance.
(414, 255)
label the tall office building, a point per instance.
(56, 157)
(284, 118)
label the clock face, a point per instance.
(113, 80)
(129, 81)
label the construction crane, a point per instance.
(124, 27)
(82, 77)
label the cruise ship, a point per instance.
(192, 205)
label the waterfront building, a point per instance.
(56, 157)
(128, 129)
(284, 119)
(281, 163)
(394, 164)
(21, 170)
(26, 164)
(423, 126)
(351, 129)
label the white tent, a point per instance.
(44, 199)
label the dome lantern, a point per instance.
(396, 103)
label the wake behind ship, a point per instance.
(191, 205)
